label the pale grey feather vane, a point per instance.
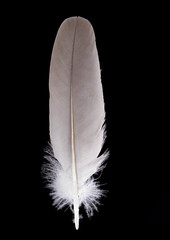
(77, 117)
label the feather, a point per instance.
(77, 116)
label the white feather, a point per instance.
(77, 117)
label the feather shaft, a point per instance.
(74, 167)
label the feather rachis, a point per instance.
(74, 165)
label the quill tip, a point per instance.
(76, 218)
(76, 226)
(76, 215)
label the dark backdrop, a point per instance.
(131, 48)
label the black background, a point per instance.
(131, 47)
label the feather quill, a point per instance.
(76, 118)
